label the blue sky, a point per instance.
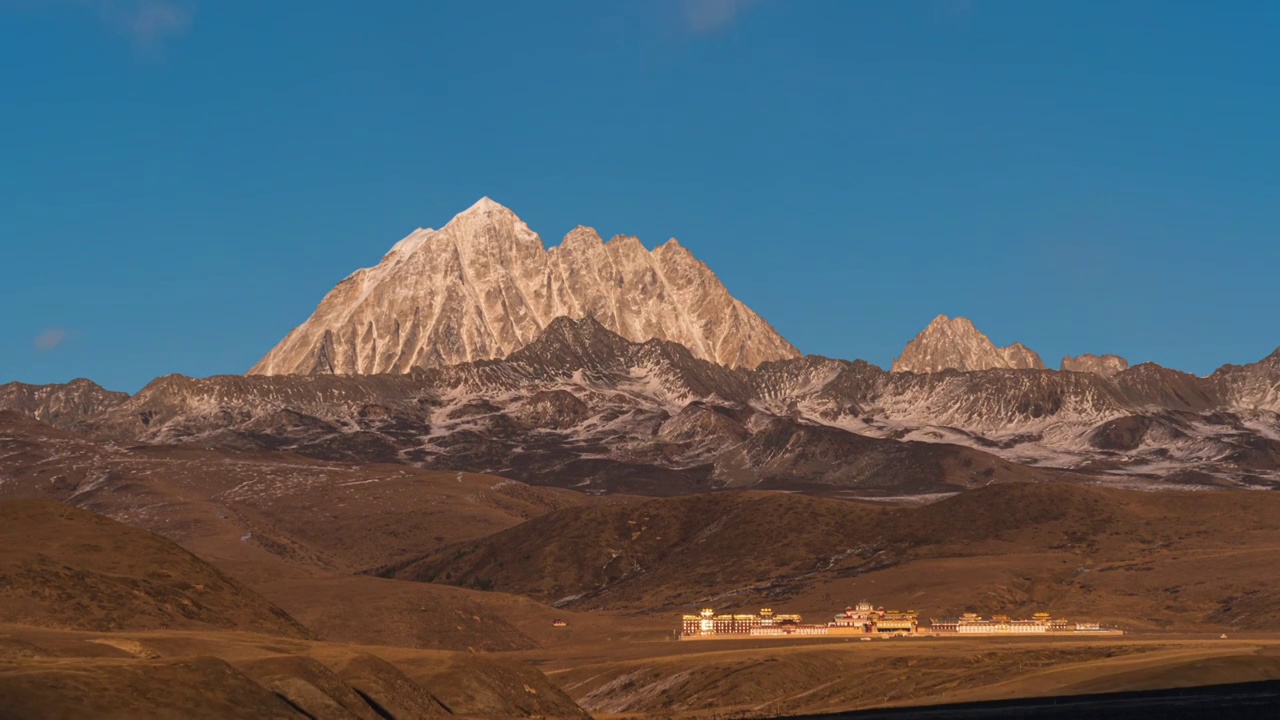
(181, 181)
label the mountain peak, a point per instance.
(952, 325)
(957, 344)
(1104, 365)
(626, 241)
(566, 340)
(485, 203)
(672, 245)
(484, 210)
(581, 236)
(485, 285)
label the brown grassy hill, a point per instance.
(1192, 561)
(292, 528)
(379, 611)
(221, 674)
(1146, 559)
(203, 687)
(64, 567)
(362, 687)
(655, 554)
(769, 679)
(261, 513)
(311, 687)
(491, 687)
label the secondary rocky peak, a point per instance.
(485, 285)
(569, 342)
(941, 322)
(672, 247)
(581, 236)
(629, 242)
(564, 329)
(956, 344)
(61, 405)
(1104, 365)
(1021, 357)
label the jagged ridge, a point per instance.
(955, 344)
(581, 404)
(484, 286)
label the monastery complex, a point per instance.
(868, 621)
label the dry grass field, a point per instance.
(195, 673)
(771, 678)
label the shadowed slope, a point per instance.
(65, 567)
(1162, 559)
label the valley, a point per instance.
(640, 360)
(439, 594)
(487, 480)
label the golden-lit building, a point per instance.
(862, 616)
(1041, 622)
(862, 619)
(866, 620)
(708, 624)
(900, 623)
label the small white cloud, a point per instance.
(148, 23)
(708, 16)
(50, 339)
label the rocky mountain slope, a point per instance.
(484, 286)
(955, 344)
(580, 407)
(1106, 365)
(61, 404)
(583, 407)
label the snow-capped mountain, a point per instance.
(484, 286)
(955, 344)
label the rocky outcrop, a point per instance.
(1104, 365)
(955, 344)
(60, 405)
(1255, 386)
(484, 286)
(1020, 357)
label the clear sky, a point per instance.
(181, 181)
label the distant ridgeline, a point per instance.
(868, 621)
